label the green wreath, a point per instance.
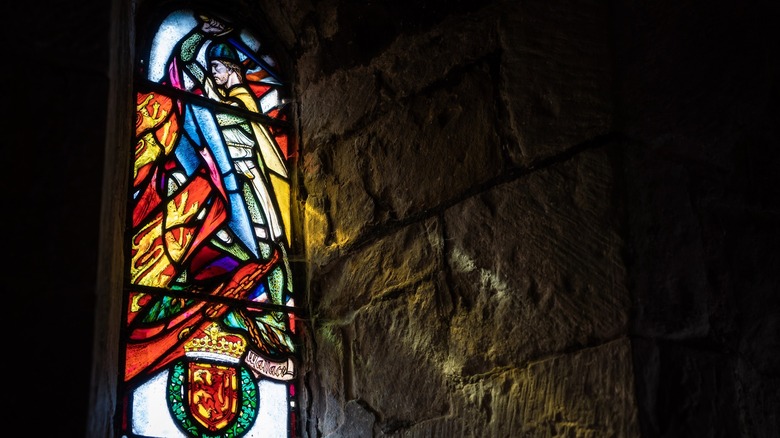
(246, 416)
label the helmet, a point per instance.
(223, 52)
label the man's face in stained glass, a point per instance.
(220, 72)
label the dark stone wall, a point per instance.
(595, 180)
(698, 89)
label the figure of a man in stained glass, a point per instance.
(211, 194)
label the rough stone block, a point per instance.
(398, 352)
(416, 61)
(446, 140)
(335, 104)
(326, 375)
(557, 75)
(538, 261)
(396, 262)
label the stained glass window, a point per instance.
(209, 336)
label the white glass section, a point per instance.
(171, 31)
(150, 410)
(272, 419)
(250, 40)
(269, 101)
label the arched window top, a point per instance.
(177, 53)
(209, 337)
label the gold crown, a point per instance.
(216, 344)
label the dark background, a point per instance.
(55, 85)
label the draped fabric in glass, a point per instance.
(209, 336)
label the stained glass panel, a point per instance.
(209, 331)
